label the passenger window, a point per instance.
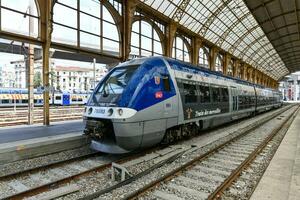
(190, 93)
(225, 97)
(215, 94)
(58, 98)
(204, 94)
(166, 83)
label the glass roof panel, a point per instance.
(228, 24)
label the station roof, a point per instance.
(231, 26)
(280, 21)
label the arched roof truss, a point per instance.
(228, 24)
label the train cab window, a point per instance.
(58, 98)
(166, 83)
(190, 93)
(204, 94)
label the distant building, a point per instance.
(7, 76)
(290, 88)
(63, 78)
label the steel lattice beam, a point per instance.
(177, 16)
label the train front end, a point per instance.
(112, 116)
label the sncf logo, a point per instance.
(158, 95)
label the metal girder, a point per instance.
(234, 46)
(282, 27)
(285, 54)
(280, 15)
(212, 17)
(281, 37)
(292, 58)
(177, 16)
(248, 47)
(285, 49)
(290, 42)
(225, 34)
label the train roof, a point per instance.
(218, 74)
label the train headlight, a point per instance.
(120, 111)
(90, 111)
(110, 111)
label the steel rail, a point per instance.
(45, 187)
(236, 173)
(245, 131)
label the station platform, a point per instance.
(281, 180)
(25, 141)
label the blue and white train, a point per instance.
(10, 97)
(144, 102)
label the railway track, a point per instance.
(153, 174)
(32, 181)
(9, 118)
(211, 174)
(11, 109)
(201, 172)
(35, 181)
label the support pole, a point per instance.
(169, 40)
(46, 36)
(226, 61)
(196, 45)
(30, 70)
(129, 7)
(94, 73)
(46, 112)
(212, 58)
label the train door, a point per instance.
(66, 99)
(234, 100)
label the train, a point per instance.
(149, 101)
(10, 97)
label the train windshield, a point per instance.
(108, 93)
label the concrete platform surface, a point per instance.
(282, 178)
(25, 132)
(23, 142)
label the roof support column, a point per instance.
(196, 45)
(249, 74)
(244, 72)
(212, 58)
(169, 38)
(226, 61)
(236, 68)
(254, 75)
(46, 30)
(129, 8)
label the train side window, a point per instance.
(58, 98)
(225, 97)
(24, 101)
(190, 93)
(215, 94)
(204, 94)
(5, 101)
(166, 83)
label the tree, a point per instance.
(37, 80)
